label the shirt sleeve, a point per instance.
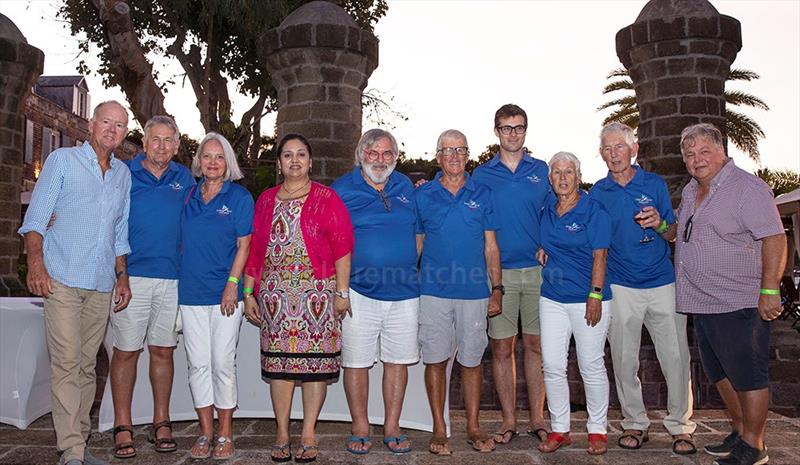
(758, 213)
(599, 229)
(121, 245)
(490, 222)
(664, 202)
(45, 195)
(244, 214)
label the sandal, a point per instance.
(478, 441)
(537, 433)
(683, 440)
(282, 449)
(439, 441)
(397, 440)
(364, 441)
(554, 442)
(502, 435)
(598, 444)
(637, 435)
(223, 449)
(162, 444)
(302, 457)
(203, 444)
(119, 447)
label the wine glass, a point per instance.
(641, 202)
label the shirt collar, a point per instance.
(90, 154)
(469, 184)
(637, 179)
(225, 186)
(580, 207)
(526, 157)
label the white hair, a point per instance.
(232, 171)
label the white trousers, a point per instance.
(655, 309)
(559, 322)
(210, 339)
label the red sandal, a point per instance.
(554, 442)
(598, 444)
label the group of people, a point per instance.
(374, 268)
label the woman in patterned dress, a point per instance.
(296, 290)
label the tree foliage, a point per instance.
(743, 131)
(781, 181)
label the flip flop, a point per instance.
(598, 444)
(637, 435)
(477, 439)
(439, 441)
(502, 435)
(689, 441)
(204, 442)
(537, 433)
(554, 442)
(282, 448)
(397, 440)
(364, 440)
(301, 457)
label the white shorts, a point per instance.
(380, 325)
(150, 315)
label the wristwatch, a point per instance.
(599, 290)
(343, 294)
(500, 288)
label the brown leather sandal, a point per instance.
(120, 447)
(162, 444)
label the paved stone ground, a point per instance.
(35, 446)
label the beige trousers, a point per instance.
(75, 320)
(655, 309)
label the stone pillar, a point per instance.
(678, 54)
(319, 61)
(20, 66)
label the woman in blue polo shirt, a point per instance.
(575, 236)
(215, 234)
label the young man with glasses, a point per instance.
(519, 185)
(384, 287)
(729, 257)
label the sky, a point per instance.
(451, 64)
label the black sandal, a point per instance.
(637, 435)
(162, 444)
(118, 448)
(689, 441)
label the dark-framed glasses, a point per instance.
(373, 155)
(387, 202)
(450, 151)
(518, 129)
(687, 232)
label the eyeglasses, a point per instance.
(613, 148)
(450, 151)
(687, 232)
(373, 155)
(387, 202)
(506, 130)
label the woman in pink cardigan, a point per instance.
(296, 290)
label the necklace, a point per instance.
(292, 192)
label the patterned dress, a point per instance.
(300, 334)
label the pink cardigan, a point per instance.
(324, 222)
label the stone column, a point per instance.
(678, 54)
(20, 66)
(319, 61)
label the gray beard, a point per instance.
(374, 177)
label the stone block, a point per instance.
(354, 39)
(369, 47)
(639, 34)
(332, 75)
(331, 35)
(655, 69)
(291, 113)
(9, 248)
(698, 106)
(345, 131)
(636, 72)
(309, 129)
(298, 57)
(346, 95)
(645, 91)
(643, 53)
(703, 27)
(308, 93)
(269, 42)
(786, 394)
(708, 66)
(348, 59)
(328, 148)
(788, 352)
(671, 48)
(704, 47)
(712, 86)
(299, 35)
(355, 79)
(666, 29)
(8, 50)
(677, 86)
(331, 112)
(623, 45)
(729, 50)
(672, 145)
(680, 66)
(649, 148)
(731, 30)
(784, 372)
(673, 126)
(309, 74)
(667, 166)
(644, 131)
(658, 108)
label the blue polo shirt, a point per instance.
(631, 263)
(154, 231)
(208, 241)
(384, 263)
(453, 261)
(569, 241)
(518, 200)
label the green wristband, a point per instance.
(662, 228)
(595, 295)
(247, 290)
(770, 292)
(233, 279)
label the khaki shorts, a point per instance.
(520, 302)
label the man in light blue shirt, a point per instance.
(159, 188)
(76, 235)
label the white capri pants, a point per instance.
(558, 323)
(210, 339)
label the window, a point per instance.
(51, 140)
(28, 141)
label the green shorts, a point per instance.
(520, 302)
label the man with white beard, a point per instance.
(384, 287)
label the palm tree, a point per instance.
(742, 130)
(780, 181)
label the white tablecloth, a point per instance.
(24, 362)
(254, 401)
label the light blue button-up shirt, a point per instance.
(91, 217)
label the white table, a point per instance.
(254, 400)
(24, 362)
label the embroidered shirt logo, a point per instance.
(472, 205)
(402, 198)
(574, 227)
(644, 200)
(534, 178)
(224, 210)
(176, 186)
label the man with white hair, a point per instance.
(384, 287)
